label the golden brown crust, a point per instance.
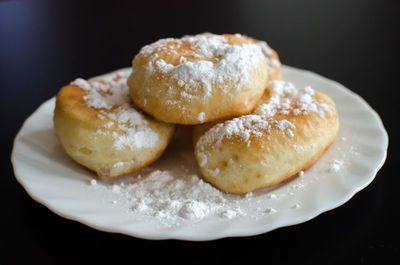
(89, 140)
(171, 100)
(270, 155)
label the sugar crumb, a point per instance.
(335, 166)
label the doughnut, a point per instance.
(201, 78)
(286, 133)
(99, 128)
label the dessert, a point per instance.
(286, 133)
(201, 78)
(252, 130)
(99, 127)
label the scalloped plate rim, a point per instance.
(226, 233)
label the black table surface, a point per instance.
(46, 44)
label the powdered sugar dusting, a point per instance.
(165, 196)
(233, 62)
(201, 116)
(110, 96)
(268, 52)
(285, 125)
(285, 99)
(171, 193)
(173, 197)
(284, 94)
(335, 166)
(242, 127)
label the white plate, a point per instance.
(51, 178)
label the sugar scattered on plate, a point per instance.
(335, 166)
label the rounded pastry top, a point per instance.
(205, 59)
(272, 59)
(98, 126)
(288, 130)
(105, 103)
(201, 78)
(281, 105)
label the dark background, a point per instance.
(46, 44)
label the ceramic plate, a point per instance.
(349, 165)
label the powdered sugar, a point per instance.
(171, 192)
(270, 210)
(284, 96)
(110, 96)
(335, 166)
(201, 116)
(219, 62)
(242, 127)
(82, 83)
(268, 52)
(163, 195)
(285, 125)
(285, 99)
